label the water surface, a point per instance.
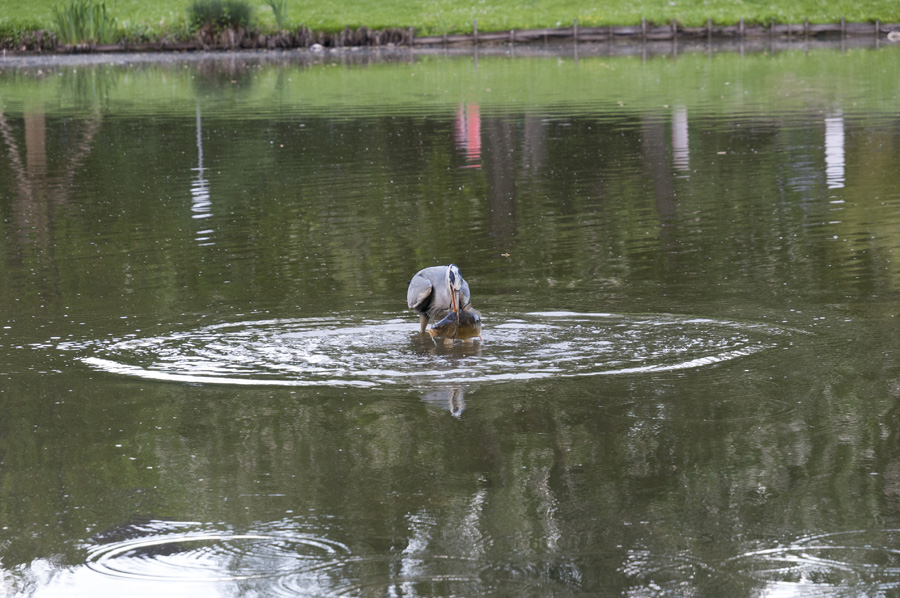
(688, 267)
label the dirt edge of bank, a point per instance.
(242, 39)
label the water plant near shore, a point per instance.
(84, 21)
(279, 9)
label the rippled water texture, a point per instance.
(687, 258)
(341, 352)
(278, 560)
(167, 551)
(285, 558)
(827, 564)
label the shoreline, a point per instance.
(43, 42)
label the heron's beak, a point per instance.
(454, 301)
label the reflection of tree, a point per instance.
(222, 75)
(37, 190)
(656, 159)
(534, 144)
(500, 171)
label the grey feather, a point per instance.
(429, 292)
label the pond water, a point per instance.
(688, 268)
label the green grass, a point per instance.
(440, 16)
(18, 30)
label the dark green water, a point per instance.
(688, 268)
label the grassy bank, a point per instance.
(434, 17)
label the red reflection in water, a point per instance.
(467, 133)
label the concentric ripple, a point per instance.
(167, 551)
(277, 559)
(854, 559)
(341, 351)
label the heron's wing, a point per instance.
(419, 290)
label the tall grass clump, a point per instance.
(279, 8)
(84, 21)
(219, 14)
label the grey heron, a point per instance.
(436, 291)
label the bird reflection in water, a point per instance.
(449, 395)
(452, 398)
(423, 346)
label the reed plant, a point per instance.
(85, 21)
(279, 9)
(219, 14)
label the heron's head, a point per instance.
(454, 278)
